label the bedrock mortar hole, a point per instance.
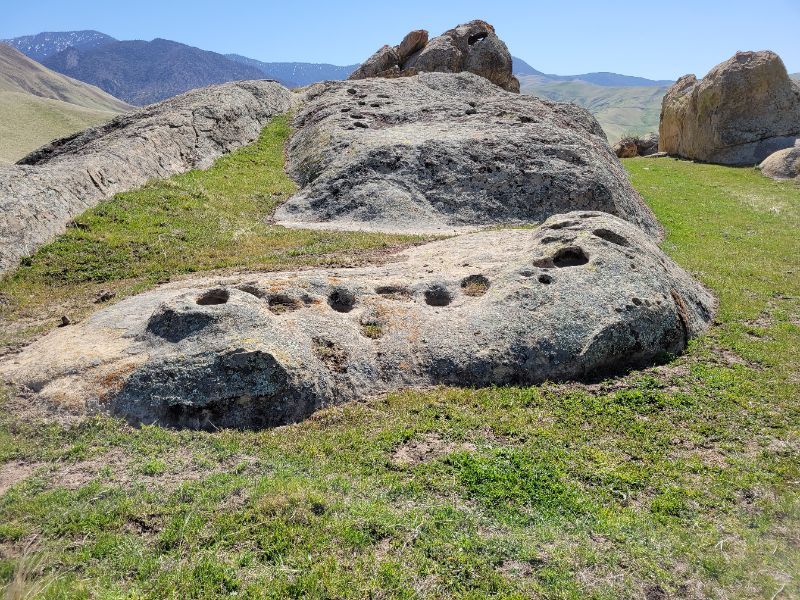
(570, 257)
(341, 300)
(212, 297)
(437, 295)
(397, 292)
(611, 236)
(281, 303)
(474, 285)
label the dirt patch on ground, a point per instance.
(427, 448)
(13, 473)
(516, 569)
(113, 466)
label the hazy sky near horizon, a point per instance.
(659, 40)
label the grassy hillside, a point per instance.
(620, 110)
(680, 481)
(38, 105)
(18, 73)
(28, 122)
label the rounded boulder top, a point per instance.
(473, 47)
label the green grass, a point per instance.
(620, 111)
(679, 481)
(200, 221)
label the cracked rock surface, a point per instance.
(742, 111)
(53, 185)
(585, 293)
(442, 152)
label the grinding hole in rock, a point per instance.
(341, 300)
(395, 292)
(570, 257)
(281, 303)
(474, 285)
(545, 279)
(611, 236)
(437, 295)
(253, 290)
(212, 297)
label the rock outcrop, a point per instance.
(472, 47)
(51, 186)
(585, 293)
(632, 146)
(742, 111)
(783, 164)
(446, 152)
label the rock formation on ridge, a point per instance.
(473, 47)
(584, 293)
(51, 186)
(443, 152)
(742, 111)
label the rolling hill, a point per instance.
(142, 72)
(38, 105)
(621, 110)
(604, 78)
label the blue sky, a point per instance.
(660, 40)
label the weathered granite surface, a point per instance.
(442, 152)
(585, 293)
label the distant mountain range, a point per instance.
(297, 74)
(142, 72)
(40, 46)
(523, 69)
(38, 105)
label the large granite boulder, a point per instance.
(584, 294)
(632, 146)
(472, 47)
(742, 111)
(53, 185)
(447, 152)
(783, 164)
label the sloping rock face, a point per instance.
(783, 164)
(48, 188)
(585, 293)
(472, 47)
(632, 146)
(741, 112)
(444, 152)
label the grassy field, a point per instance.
(620, 110)
(680, 481)
(28, 122)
